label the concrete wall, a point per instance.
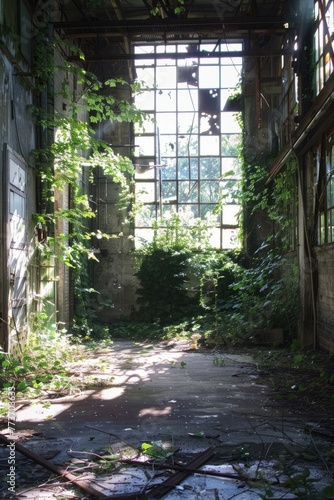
(325, 305)
(113, 276)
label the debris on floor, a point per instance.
(172, 424)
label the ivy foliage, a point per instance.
(72, 151)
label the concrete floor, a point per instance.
(166, 393)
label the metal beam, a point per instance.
(186, 55)
(149, 26)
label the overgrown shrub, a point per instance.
(163, 294)
(261, 297)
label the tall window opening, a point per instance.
(187, 152)
(323, 41)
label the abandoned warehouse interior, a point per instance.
(200, 64)
(167, 167)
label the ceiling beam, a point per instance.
(150, 26)
(186, 55)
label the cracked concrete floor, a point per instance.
(140, 392)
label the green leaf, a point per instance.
(197, 434)
(329, 490)
(21, 386)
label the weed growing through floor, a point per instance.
(155, 450)
(43, 366)
(301, 376)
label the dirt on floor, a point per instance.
(233, 423)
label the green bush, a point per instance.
(163, 293)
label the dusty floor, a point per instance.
(176, 402)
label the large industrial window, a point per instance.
(186, 157)
(323, 41)
(326, 201)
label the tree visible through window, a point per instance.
(187, 156)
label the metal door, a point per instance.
(16, 245)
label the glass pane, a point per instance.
(167, 145)
(168, 171)
(188, 168)
(145, 146)
(231, 47)
(209, 168)
(168, 191)
(207, 209)
(165, 49)
(17, 204)
(230, 238)
(330, 228)
(145, 192)
(215, 238)
(229, 124)
(230, 215)
(146, 75)
(230, 144)
(209, 145)
(188, 145)
(209, 191)
(165, 100)
(143, 236)
(166, 123)
(230, 76)
(231, 166)
(187, 100)
(188, 191)
(168, 210)
(187, 123)
(208, 76)
(166, 77)
(145, 101)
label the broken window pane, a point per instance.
(209, 109)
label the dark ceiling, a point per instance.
(107, 29)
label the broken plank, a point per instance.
(81, 483)
(162, 489)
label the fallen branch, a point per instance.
(83, 485)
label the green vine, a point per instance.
(72, 150)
